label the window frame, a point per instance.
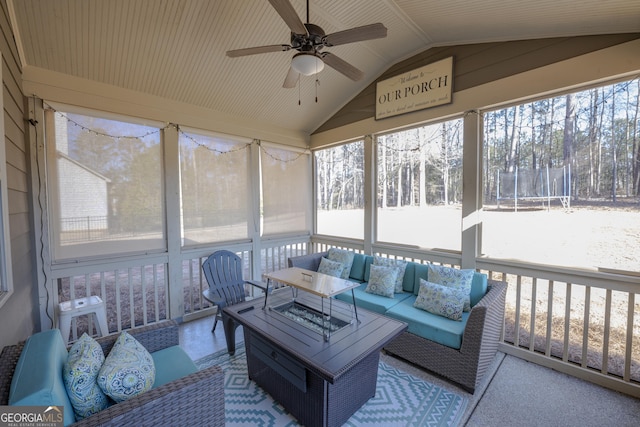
(50, 159)
(189, 133)
(316, 170)
(377, 207)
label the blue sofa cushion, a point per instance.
(409, 277)
(478, 287)
(172, 363)
(37, 379)
(358, 267)
(376, 303)
(478, 283)
(427, 325)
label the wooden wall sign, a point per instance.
(424, 87)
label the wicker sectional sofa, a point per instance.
(460, 351)
(184, 397)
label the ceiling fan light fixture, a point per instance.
(307, 63)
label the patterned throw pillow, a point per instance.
(344, 257)
(332, 268)
(398, 264)
(441, 300)
(453, 278)
(382, 281)
(127, 371)
(79, 374)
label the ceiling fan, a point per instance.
(309, 39)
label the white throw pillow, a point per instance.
(441, 300)
(344, 257)
(453, 278)
(331, 268)
(382, 281)
(398, 264)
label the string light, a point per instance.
(388, 146)
(206, 147)
(157, 131)
(186, 135)
(278, 159)
(99, 133)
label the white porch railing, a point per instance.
(136, 290)
(133, 289)
(584, 323)
(588, 328)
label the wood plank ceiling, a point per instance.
(175, 49)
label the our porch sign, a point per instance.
(421, 88)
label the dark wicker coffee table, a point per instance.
(321, 383)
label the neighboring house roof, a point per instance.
(86, 168)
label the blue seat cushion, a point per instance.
(478, 287)
(358, 267)
(427, 325)
(373, 302)
(172, 363)
(37, 379)
(409, 277)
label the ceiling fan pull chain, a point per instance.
(299, 84)
(317, 82)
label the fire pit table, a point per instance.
(319, 381)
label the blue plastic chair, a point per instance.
(223, 271)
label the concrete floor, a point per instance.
(519, 393)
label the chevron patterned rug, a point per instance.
(401, 399)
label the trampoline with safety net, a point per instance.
(542, 185)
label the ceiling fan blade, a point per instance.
(289, 16)
(342, 66)
(292, 79)
(260, 49)
(357, 34)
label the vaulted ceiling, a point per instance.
(175, 49)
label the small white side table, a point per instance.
(89, 305)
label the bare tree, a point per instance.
(614, 157)
(569, 128)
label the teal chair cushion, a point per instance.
(37, 379)
(172, 363)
